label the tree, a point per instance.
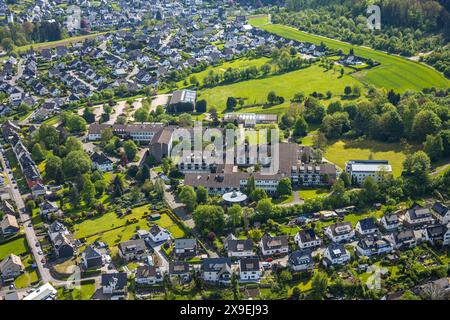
(258, 194)
(334, 106)
(345, 178)
(88, 115)
(251, 186)
(272, 97)
(37, 153)
(160, 187)
(370, 192)
(53, 169)
(319, 286)
(118, 186)
(209, 218)
(76, 163)
(100, 186)
(73, 144)
(234, 215)
(202, 195)
(49, 136)
(130, 149)
(141, 114)
(106, 135)
(7, 44)
(348, 90)
(425, 122)
(88, 191)
(231, 103)
(434, 147)
(301, 127)
(416, 168)
(264, 208)
(284, 187)
(200, 106)
(188, 197)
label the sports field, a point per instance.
(394, 72)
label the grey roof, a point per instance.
(440, 209)
(216, 264)
(178, 267)
(367, 223)
(239, 245)
(271, 243)
(185, 243)
(249, 264)
(307, 235)
(336, 250)
(300, 257)
(119, 278)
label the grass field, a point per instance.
(17, 246)
(313, 193)
(311, 79)
(236, 64)
(30, 275)
(85, 292)
(341, 151)
(394, 72)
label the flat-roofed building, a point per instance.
(361, 169)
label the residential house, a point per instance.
(307, 239)
(390, 222)
(441, 212)
(436, 234)
(9, 225)
(114, 283)
(273, 245)
(418, 216)
(101, 162)
(335, 254)
(38, 190)
(11, 267)
(301, 260)
(217, 270)
(47, 207)
(250, 270)
(238, 247)
(372, 245)
(366, 226)
(185, 247)
(403, 239)
(91, 258)
(62, 240)
(179, 271)
(148, 275)
(158, 234)
(340, 232)
(133, 250)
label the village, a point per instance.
(96, 207)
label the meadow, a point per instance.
(314, 78)
(341, 151)
(394, 72)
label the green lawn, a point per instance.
(30, 275)
(17, 246)
(314, 78)
(313, 193)
(241, 63)
(394, 72)
(341, 151)
(85, 292)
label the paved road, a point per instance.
(30, 233)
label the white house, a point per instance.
(114, 283)
(301, 260)
(390, 222)
(404, 239)
(148, 275)
(335, 254)
(250, 270)
(273, 245)
(101, 162)
(217, 270)
(239, 247)
(158, 234)
(418, 215)
(366, 226)
(340, 232)
(370, 246)
(307, 239)
(441, 213)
